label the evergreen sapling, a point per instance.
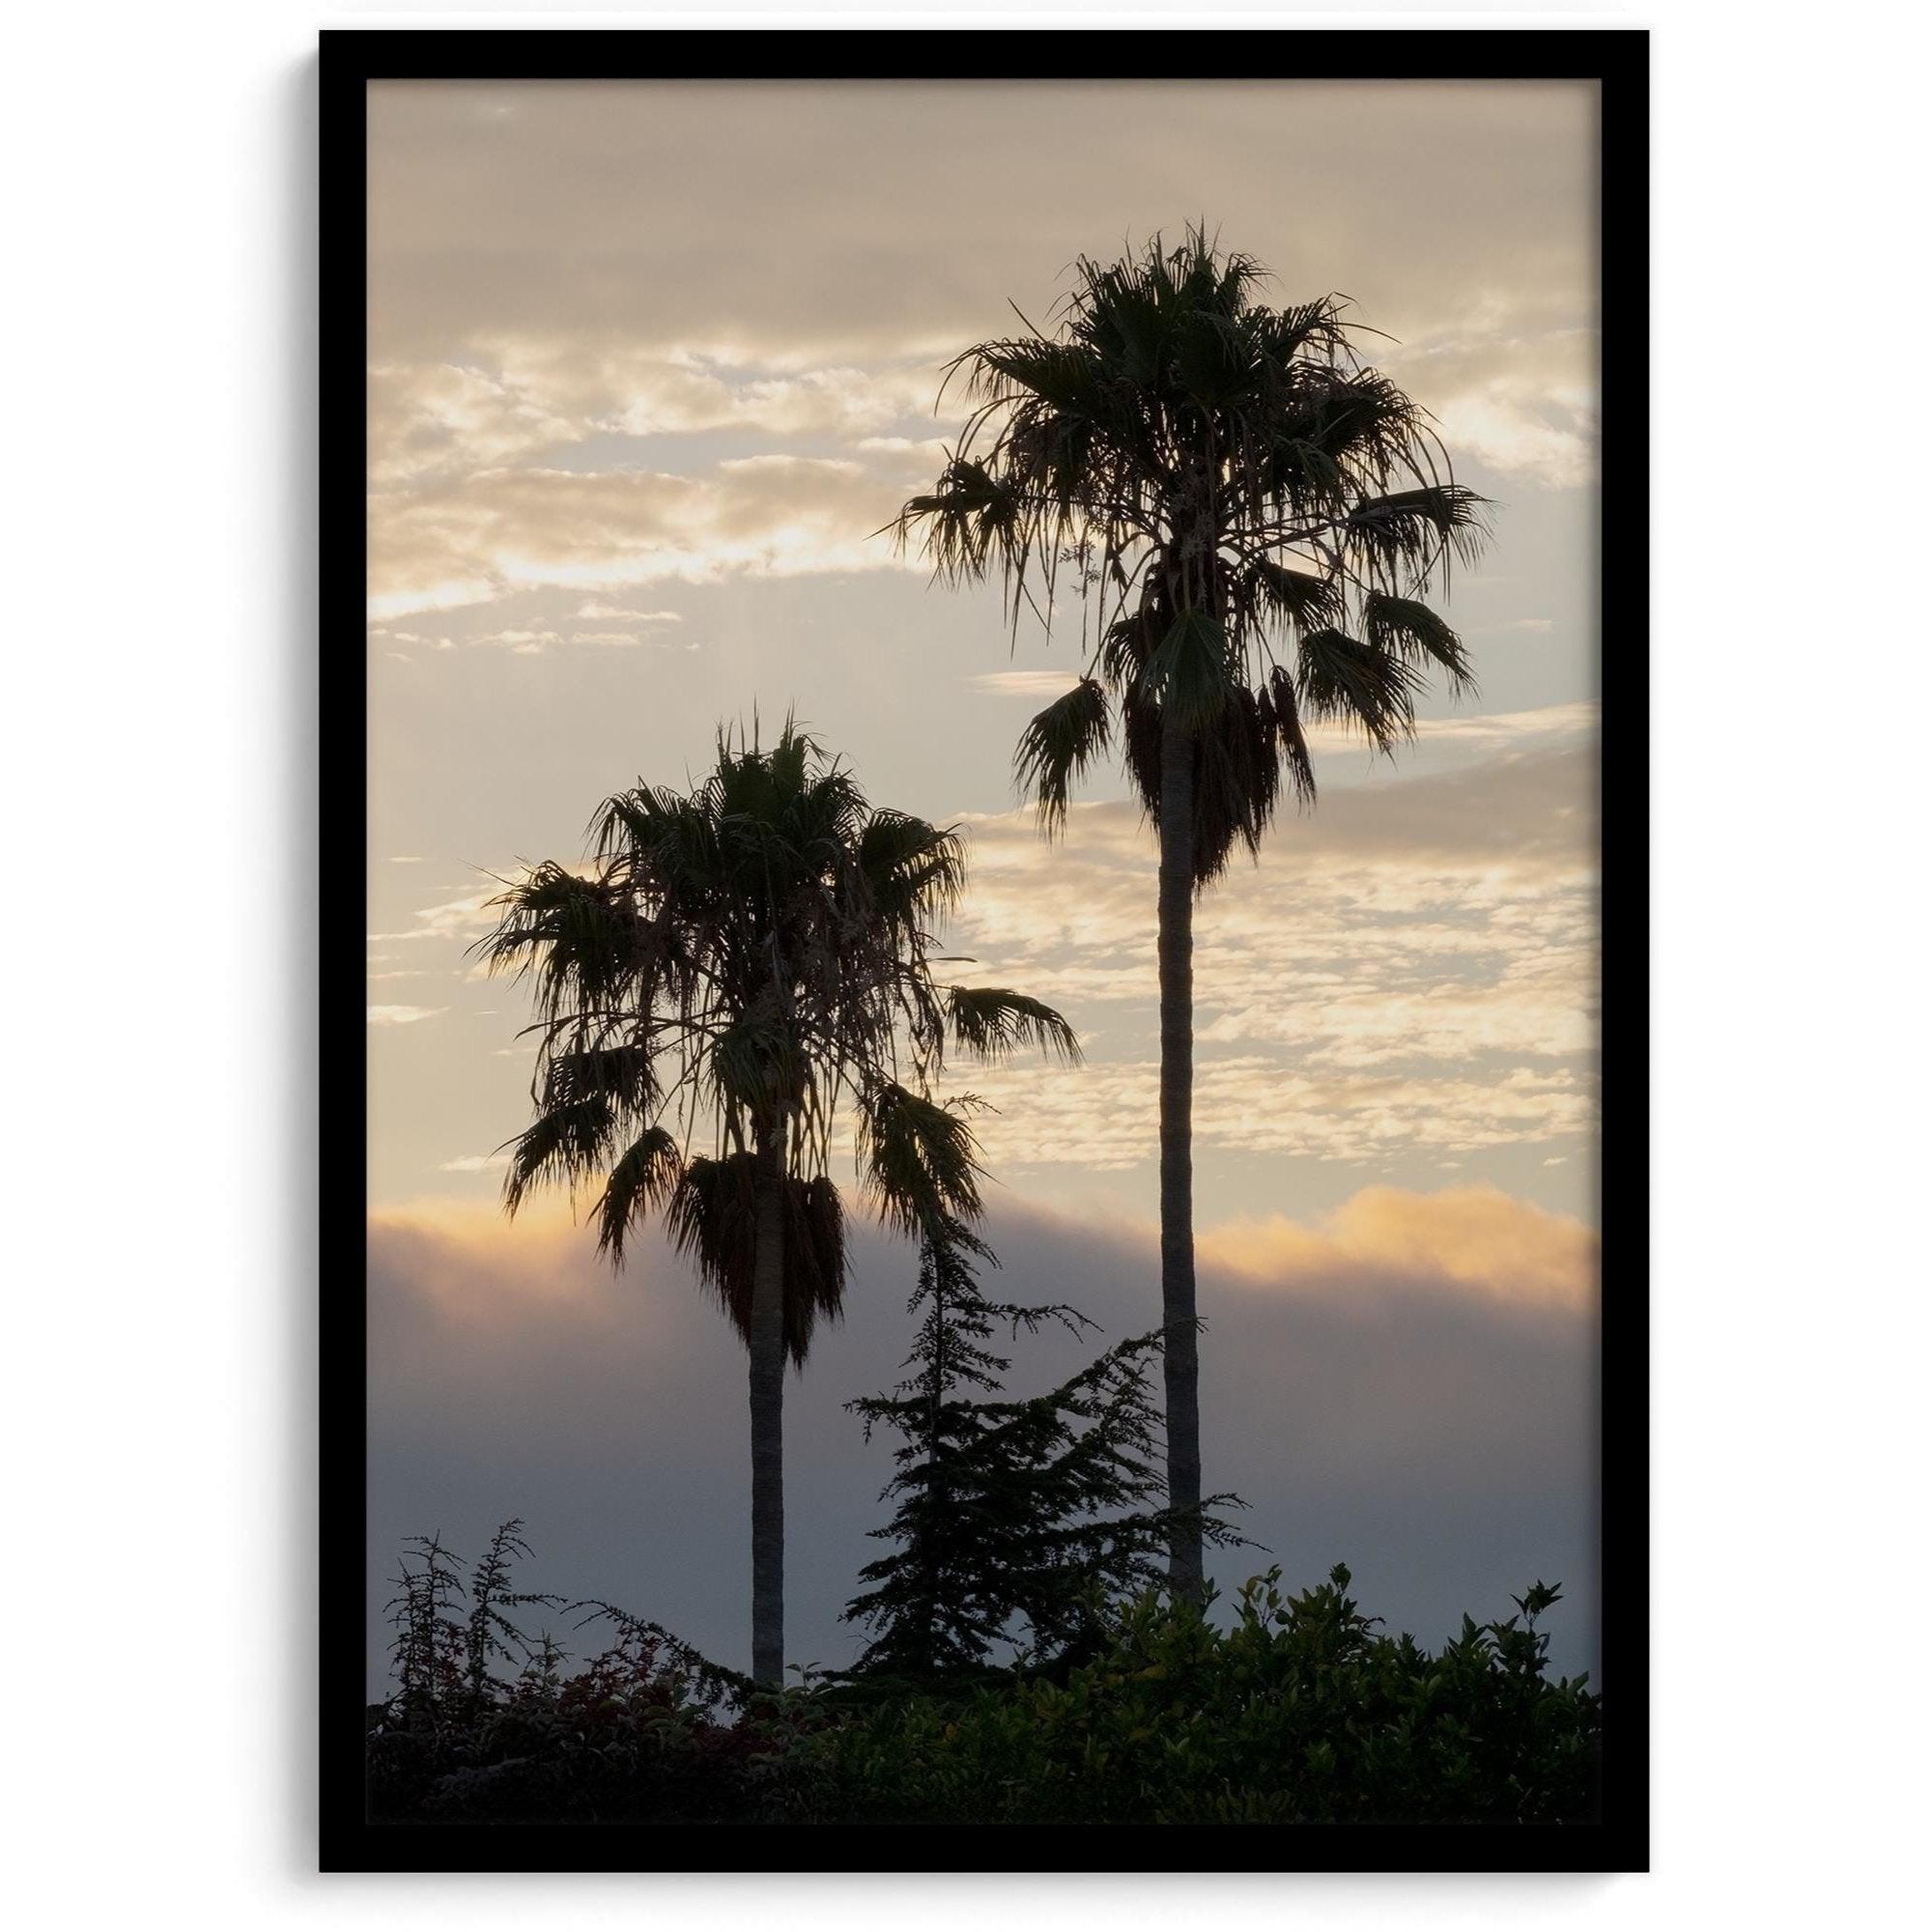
(1012, 1518)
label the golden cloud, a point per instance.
(475, 1265)
(1475, 1239)
(479, 1272)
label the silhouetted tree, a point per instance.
(742, 960)
(1008, 1512)
(1252, 514)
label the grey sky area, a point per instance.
(1379, 1411)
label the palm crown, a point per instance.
(743, 957)
(1252, 514)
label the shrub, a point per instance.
(645, 1728)
(1303, 1710)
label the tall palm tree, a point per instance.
(741, 961)
(1252, 515)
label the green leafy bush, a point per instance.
(1303, 1710)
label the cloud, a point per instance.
(1472, 734)
(391, 1017)
(453, 919)
(632, 640)
(538, 398)
(1523, 401)
(1043, 686)
(473, 1163)
(502, 530)
(1459, 1239)
(565, 358)
(927, 448)
(524, 642)
(1408, 1386)
(1101, 1115)
(594, 609)
(449, 593)
(1412, 975)
(426, 419)
(552, 221)
(691, 391)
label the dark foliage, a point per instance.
(713, 1221)
(645, 1727)
(1249, 516)
(1303, 1712)
(1013, 1519)
(737, 963)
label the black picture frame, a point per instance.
(1618, 61)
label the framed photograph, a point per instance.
(992, 1173)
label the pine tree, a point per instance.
(1011, 1517)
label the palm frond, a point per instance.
(915, 870)
(644, 1181)
(1404, 535)
(994, 1023)
(1305, 599)
(753, 1063)
(1290, 745)
(576, 938)
(920, 1159)
(620, 1073)
(1129, 643)
(563, 1145)
(1352, 683)
(1058, 747)
(1236, 783)
(1238, 758)
(965, 523)
(1215, 361)
(1415, 633)
(712, 1220)
(1190, 670)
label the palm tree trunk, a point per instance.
(1181, 1357)
(767, 1379)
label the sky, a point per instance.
(649, 365)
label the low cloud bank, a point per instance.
(1408, 1386)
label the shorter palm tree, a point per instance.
(745, 963)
